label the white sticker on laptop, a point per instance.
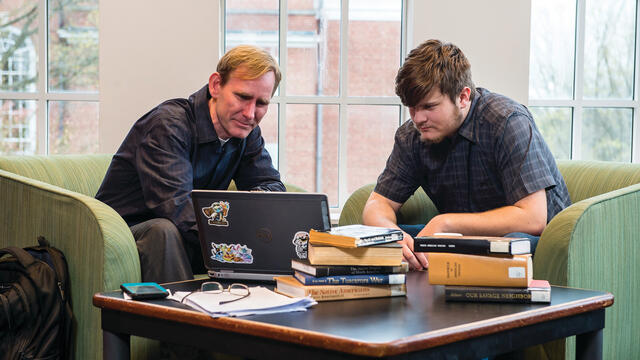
(301, 242)
(231, 253)
(217, 213)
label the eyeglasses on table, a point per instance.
(214, 287)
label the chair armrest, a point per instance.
(593, 244)
(588, 230)
(352, 210)
(418, 209)
(97, 243)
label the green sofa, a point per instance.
(592, 244)
(52, 196)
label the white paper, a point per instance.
(260, 301)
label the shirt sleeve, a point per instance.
(400, 177)
(256, 171)
(520, 157)
(165, 171)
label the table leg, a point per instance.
(115, 346)
(589, 345)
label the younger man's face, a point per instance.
(436, 117)
(238, 106)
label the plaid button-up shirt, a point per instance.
(496, 158)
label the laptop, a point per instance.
(254, 235)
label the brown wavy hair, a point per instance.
(433, 64)
(255, 61)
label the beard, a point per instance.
(456, 121)
(426, 141)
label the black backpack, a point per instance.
(35, 303)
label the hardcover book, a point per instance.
(332, 270)
(539, 291)
(482, 245)
(288, 285)
(354, 236)
(478, 270)
(372, 279)
(389, 254)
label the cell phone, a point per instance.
(145, 290)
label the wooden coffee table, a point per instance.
(420, 325)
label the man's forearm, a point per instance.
(378, 214)
(380, 211)
(528, 215)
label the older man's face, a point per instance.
(238, 106)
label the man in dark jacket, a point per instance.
(202, 142)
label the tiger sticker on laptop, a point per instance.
(301, 241)
(217, 213)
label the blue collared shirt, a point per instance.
(174, 149)
(496, 158)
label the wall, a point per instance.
(150, 51)
(493, 34)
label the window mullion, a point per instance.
(42, 118)
(407, 38)
(635, 130)
(576, 143)
(282, 106)
(343, 112)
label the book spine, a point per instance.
(373, 279)
(344, 292)
(326, 270)
(378, 239)
(475, 270)
(458, 246)
(325, 238)
(359, 270)
(508, 295)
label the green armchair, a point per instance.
(591, 244)
(53, 196)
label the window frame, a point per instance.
(343, 100)
(42, 95)
(578, 104)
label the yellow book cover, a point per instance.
(389, 254)
(479, 270)
(289, 286)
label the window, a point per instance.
(583, 78)
(331, 124)
(48, 76)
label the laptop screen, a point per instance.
(257, 232)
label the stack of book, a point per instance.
(483, 268)
(348, 262)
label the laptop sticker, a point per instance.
(231, 253)
(300, 240)
(217, 213)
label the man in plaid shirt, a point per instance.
(478, 155)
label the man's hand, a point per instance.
(417, 261)
(438, 224)
(380, 211)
